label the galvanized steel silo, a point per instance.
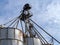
(11, 36)
(32, 41)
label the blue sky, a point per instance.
(45, 12)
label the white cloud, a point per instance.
(45, 12)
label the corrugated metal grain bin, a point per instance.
(11, 36)
(32, 41)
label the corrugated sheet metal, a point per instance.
(32, 41)
(11, 36)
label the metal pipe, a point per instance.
(10, 21)
(45, 31)
(41, 35)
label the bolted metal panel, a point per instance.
(19, 43)
(14, 42)
(3, 33)
(37, 41)
(4, 42)
(32, 41)
(18, 34)
(11, 33)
